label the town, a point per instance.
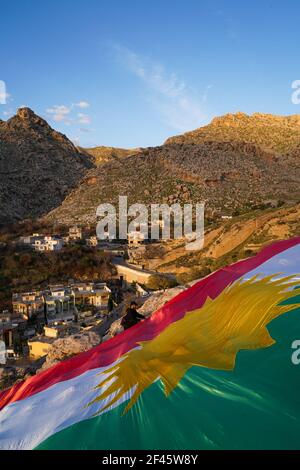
(38, 317)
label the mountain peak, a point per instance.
(278, 133)
(46, 159)
(27, 116)
(240, 118)
(25, 113)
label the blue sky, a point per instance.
(131, 73)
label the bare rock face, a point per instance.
(65, 348)
(159, 299)
(235, 163)
(38, 167)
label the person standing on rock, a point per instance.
(132, 317)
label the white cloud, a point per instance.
(177, 105)
(83, 118)
(66, 114)
(82, 104)
(60, 113)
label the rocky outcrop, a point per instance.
(64, 348)
(270, 132)
(227, 176)
(152, 304)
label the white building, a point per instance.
(135, 237)
(48, 243)
(75, 233)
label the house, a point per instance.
(48, 243)
(28, 304)
(11, 329)
(60, 330)
(30, 239)
(59, 304)
(43, 243)
(129, 273)
(92, 241)
(87, 319)
(39, 345)
(91, 294)
(8, 331)
(75, 233)
(135, 238)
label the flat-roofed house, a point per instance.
(8, 332)
(135, 237)
(94, 294)
(75, 233)
(59, 304)
(49, 243)
(39, 346)
(28, 304)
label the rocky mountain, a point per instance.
(277, 134)
(234, 164)
(38, 167)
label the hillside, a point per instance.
(38, 167)
(230, 241)
(235, 164)
(279, 134)
(103, 154)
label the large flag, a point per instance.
(212, 369)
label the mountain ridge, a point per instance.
(40, 165)
(229, 167)
(236, 162)
(273, 132)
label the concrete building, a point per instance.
(91, 294)
(43, 243)
(39, 345)
(10, 327)
(30, 239)
(135, 238)
(48, 243)
(75, 233)
(59, 304)
(28, 304)
(129, 274)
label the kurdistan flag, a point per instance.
(211, 369)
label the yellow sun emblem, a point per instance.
(210, 337)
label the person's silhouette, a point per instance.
(132, 317)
